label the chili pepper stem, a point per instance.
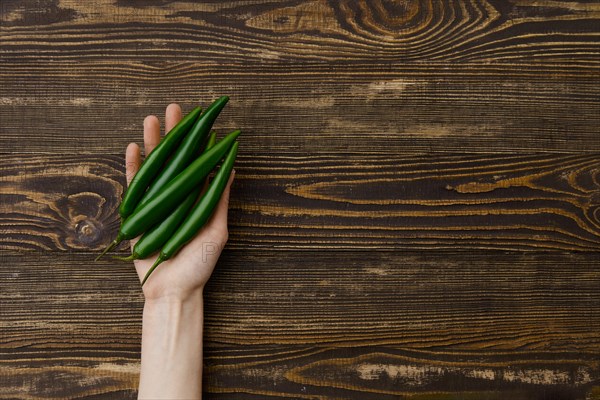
(158, 261)
(133, 256)
(111, 246)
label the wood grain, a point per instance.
(416, 212)
(392, 373)
(345, 202)
(224, 32)
(296, 324)
(305, 372)
(98, 107)
(52, 203)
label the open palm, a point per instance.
(191, 268)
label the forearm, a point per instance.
(172, 349)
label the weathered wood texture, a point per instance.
(396, 109)
(416, 211)
(301, 323)
(336, 201)
(487, 31)
(411, 75)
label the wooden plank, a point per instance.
(349, 201)
(388, 373)
(534, 33)
(301, 372)
(425, 299)
(65, 374)
(300, 324)
(468, 301)
(315, 372)
(98, 107)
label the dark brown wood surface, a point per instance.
(416, 212)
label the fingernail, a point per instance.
(148, 119)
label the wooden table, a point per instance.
(416, 211)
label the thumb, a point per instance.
(133, 160)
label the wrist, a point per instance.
(172, 347)
(173, 297)
(175, 301)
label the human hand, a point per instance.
(187, 273)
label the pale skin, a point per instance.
(173, 311)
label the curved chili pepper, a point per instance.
(168, 198)
(201, 212)
(157, 236)
(187, 150)
(150, 167)
(172, 194)
(153, 163)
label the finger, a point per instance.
(219, 218)
(132, 161)
(172, 116)
(151, 133)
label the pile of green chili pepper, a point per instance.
(164, 201)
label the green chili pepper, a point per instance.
(153, 163)
(150, 167)
(170, 196)
(157, 236)
(201, 212)
(187, 150)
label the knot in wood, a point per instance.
(87, 231)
